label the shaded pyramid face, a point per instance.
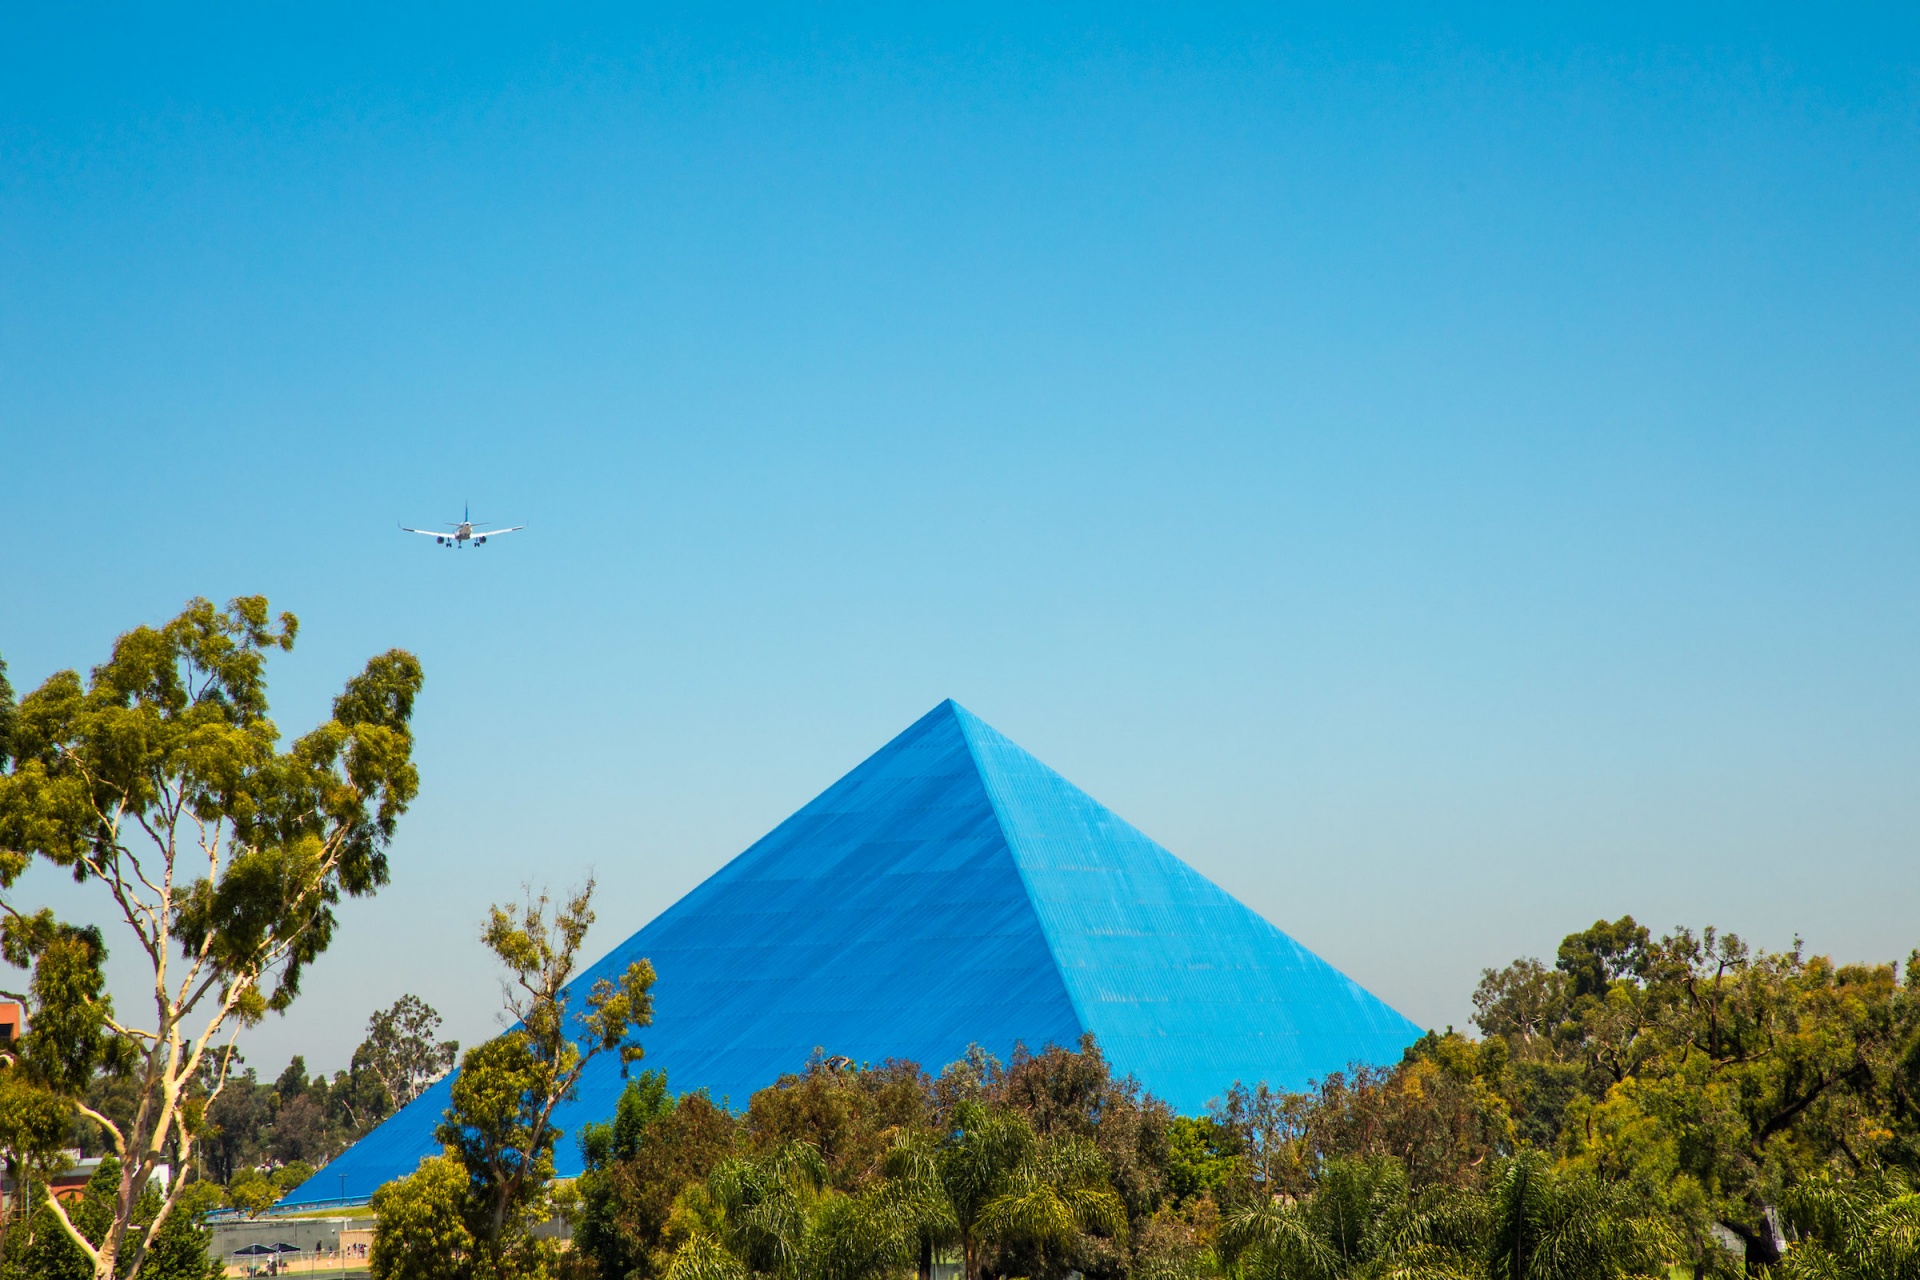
(952, 890)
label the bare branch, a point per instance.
(73, 1232)
(167, 1205)
(131, 1033)
(113, 1130)
(160, 843)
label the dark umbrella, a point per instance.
(254, 1251)
(286, 1248)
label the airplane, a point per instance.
(463, 532)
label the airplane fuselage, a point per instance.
(461, 532)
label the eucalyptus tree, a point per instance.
(401, 1053)
(422, 1231)
(160, 781)
(499, 1125)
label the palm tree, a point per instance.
(1056, 1194)
(992, 1181)
(775, 1218)
(976, 1165)
(918, 1195)
(1866, 1229)
(1568, 1226)
(1362, 1222)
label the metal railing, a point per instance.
(282, 1210)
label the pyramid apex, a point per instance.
(953, 708)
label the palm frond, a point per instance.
(703, 1257)
(1033, 1213)
(1889, 1239)
(857, 1238)
(1278, 1241)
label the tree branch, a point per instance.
(113, 1130)
(73, 1232)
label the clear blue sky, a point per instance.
(1447, 480)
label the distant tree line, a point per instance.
(257, 1143)
(1641, 1107)
(297, 1122)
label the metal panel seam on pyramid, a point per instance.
(952, 890)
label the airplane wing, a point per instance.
(431, 533)
(494, 533)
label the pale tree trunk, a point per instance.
(172, 1057)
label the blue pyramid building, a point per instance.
(952, 890)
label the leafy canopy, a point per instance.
(161, 781)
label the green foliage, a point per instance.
(1074, 1092)
(68, 1041)
(45, 1251)
(179, 1248)
(983, 1179)
(1203, 1157)
(1363, 1218)
(1271, 1131)
(1751, 1073)
(975, 1164)
(776, 1216)
(1568, 1225)
(848, 1114)
(421, 1230)
(495, 1124)
(8, 715)
(1710, 1079)
(636, 1169)
(161, 779)
(1441, 1113)
(69, 1038)
(253, 1192)
(1853, 1229)
(1053, 1197)
(994, 1184)
(1596, 958)
(499, 1131)
(1175, 1245)
(400, 1054)
(643, 1101)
